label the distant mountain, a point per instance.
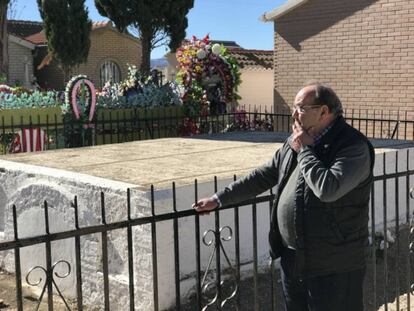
(159, 62)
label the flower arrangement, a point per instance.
(68, 90)
(137, 91)
(202, 66)
(188, 127)
(80, 99)
(79, 111)
(6, 89)
(18, 98)
(381, 241)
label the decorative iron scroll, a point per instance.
(207, 286)
(49, 278)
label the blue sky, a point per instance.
(236, 20)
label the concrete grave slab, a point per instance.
(28, 179)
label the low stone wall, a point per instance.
(27, 187)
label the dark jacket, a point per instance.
(331, 232)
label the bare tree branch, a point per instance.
(160, 39)
(12, 10)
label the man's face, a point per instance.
(306, 113)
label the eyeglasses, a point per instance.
(304, 108)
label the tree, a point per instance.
(67, 28)
(4, 58)
(155, 21)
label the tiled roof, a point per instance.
(33, 31)
(37, 38)
(23, 29)
(96, 25)
(253, 59)
(226, 44)
(246, 58)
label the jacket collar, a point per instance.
(332, 134)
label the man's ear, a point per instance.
(324, 111)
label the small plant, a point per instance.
(242, 122)
(381, 242)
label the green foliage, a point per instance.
(67, 29)
(37, 99)
(195, 101)
(151, 18)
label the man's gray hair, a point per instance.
(324, 95)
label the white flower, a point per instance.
(390, 238)
(216, 48)
(382, 245)
(201, 54)
(208, 47)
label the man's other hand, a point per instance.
(205, 205)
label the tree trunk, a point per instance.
(146, 38)
(4, 46)
(67, 74)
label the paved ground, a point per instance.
(389, 287)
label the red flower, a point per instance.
(206, 39)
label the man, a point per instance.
(319, 223)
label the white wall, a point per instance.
(185, 197)
(256, 89)
(28, 186)
(187, 245)
(20, 60)
(386, 197)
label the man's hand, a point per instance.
(205, 205)
(300, 137)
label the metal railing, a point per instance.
(218, 282)
(118, 127)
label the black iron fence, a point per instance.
(219, 283)
(131, 125)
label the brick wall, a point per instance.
(106, 45)
(110, 45)
(364, 49)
